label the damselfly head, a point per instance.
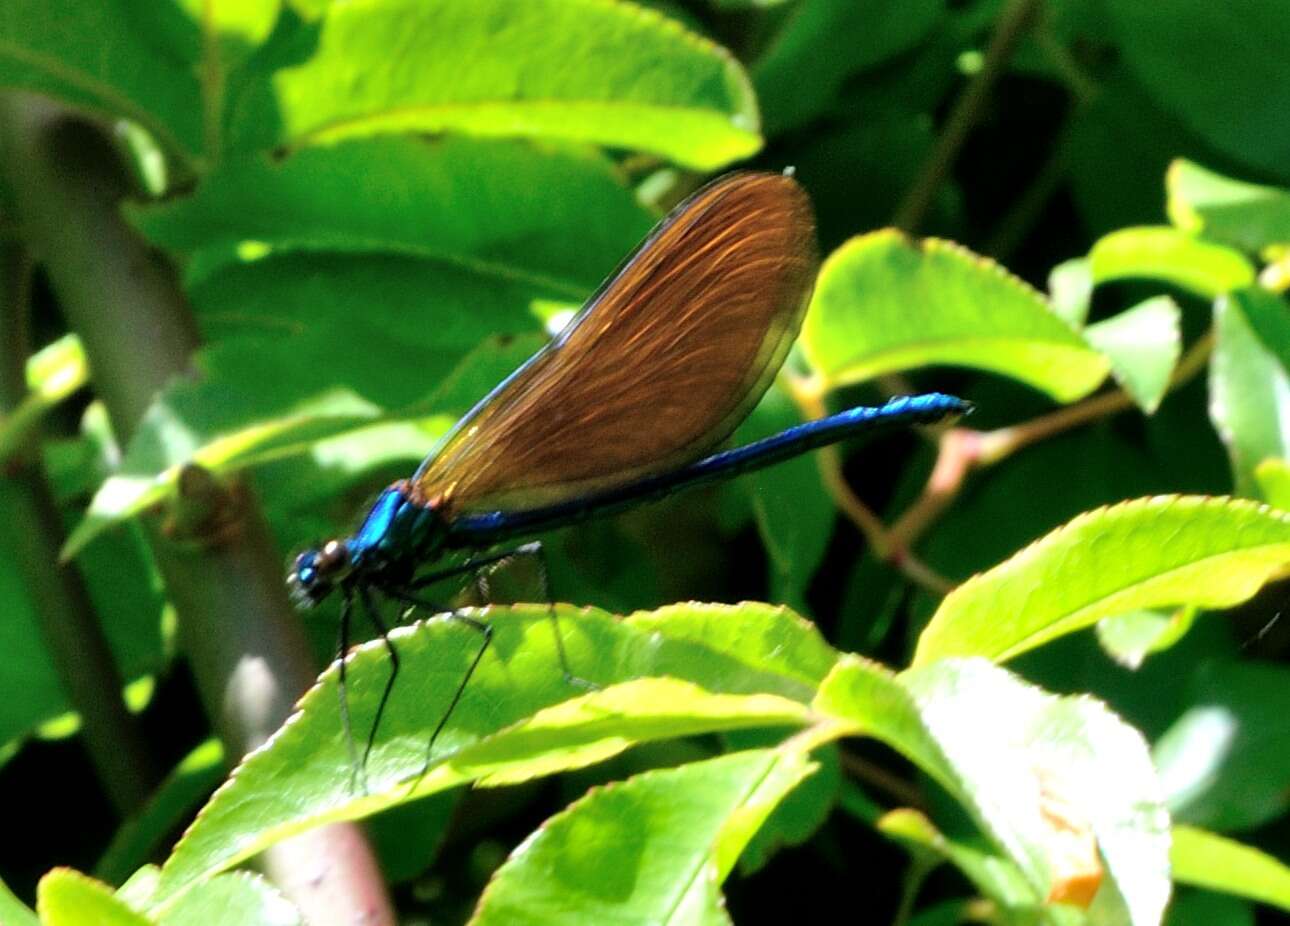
(315, 573)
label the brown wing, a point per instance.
(658, 368)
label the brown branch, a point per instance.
(246, 646)
(808, 394)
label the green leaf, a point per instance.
(1202, 908)
(751, 633)
(407, 838)
(1148, 553)
(1214, 862)
(168, 442)
(1248, 381)
(822, 42)
(138, 839)
(684, 829)
(1055, 782)
(1070, 290)
(1130, 638)
(991, 874)
(597, 71)
(1273, 478)
(1143, 344)
(186, 28)
(459, 204)
(13, 912)
(1217, 68)
(1225, 761)
(234, 899)
(122, 589)
(517, 718)
(54, 372)
(884, 303)
(1170, 256)
(1249, 216)
(801, 814)
(68, 898)
(97, 57)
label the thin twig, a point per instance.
(906, 793)
(808, 394)
(1009, 29)
(999, 444)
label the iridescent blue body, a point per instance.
(399, 534)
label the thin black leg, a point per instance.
(538, 552)
(342, 647)
(535, 550)
(374, 614)
(486, 632)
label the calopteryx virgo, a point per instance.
(627, 404)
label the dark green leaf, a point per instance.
(1217, 68)
(1225, 762)
(822, 42)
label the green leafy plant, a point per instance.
(257, 257)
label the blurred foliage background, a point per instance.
(377, 209)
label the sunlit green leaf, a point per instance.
(1215, 862)
(167, 444)
(13, 912)
(1130, 638)
(515, 719)
(1248, 215)
(1070, 290)
(237, 898)
(1143, 344)
(1273, 478)
(1061, 785)
(1148, 553)
(686, 827)
(68, 898)
(1248, 381)
(993, 875)
(1170, 256)
(802, 813)
(884, 303)
(603, 71)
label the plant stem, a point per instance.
(246, 647)
(68, 625)
(1011, 26)
(911, 884)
